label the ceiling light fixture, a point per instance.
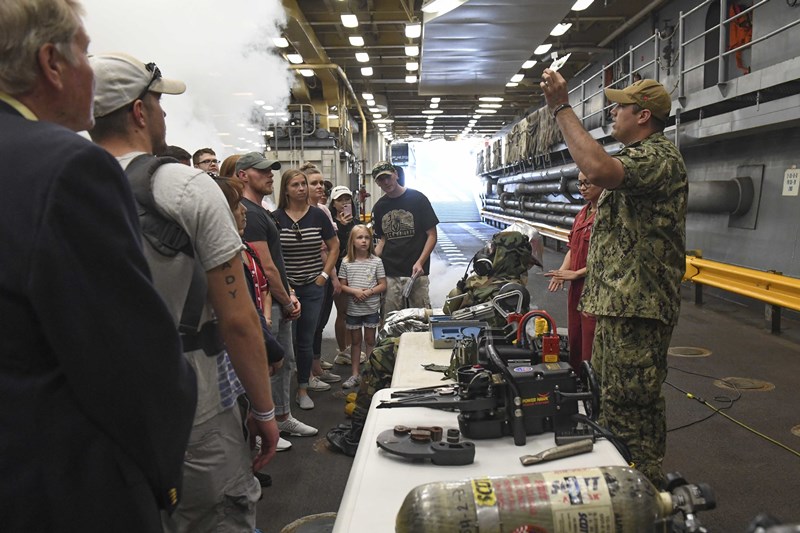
(528, 64)
(412, 50)
(512, 84)
(362, 57)
(366, 71)
(491, 106)
(356, 40)
(413, 29)
(491, 98)
(384, 121)
(412, 66)
(377, 115)
(349, 20)
(367, 96)
(432, 111)
(411, 78)
(580, 5)
(436, 100)
(486, 111)
(370, 103)
(306, 72)
(517, 77)
(560, 29)
(374, 109)
(294, 58)
(542, 49)
(280, 42)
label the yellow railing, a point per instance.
(772, 288)
(544, 230)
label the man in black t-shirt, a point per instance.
(405, 224)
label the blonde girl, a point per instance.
(363, 279)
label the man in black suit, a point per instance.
(96, 400)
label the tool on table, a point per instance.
(425, 442)
(558, 452)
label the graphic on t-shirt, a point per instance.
(398, 224)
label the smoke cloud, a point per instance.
(223, 52)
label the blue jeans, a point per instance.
(303, 328)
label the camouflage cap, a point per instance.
(382, 168)
(648, 94)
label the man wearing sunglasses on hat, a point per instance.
(97, 400)
(636, 258)
(220, 491)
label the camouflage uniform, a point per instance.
(635, 265)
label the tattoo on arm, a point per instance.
(229, 279)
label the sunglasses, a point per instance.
(156, 75)
(297, 233)
(583, 184)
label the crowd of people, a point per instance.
(156, 312)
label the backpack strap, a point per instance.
(169, 239)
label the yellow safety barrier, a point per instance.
(543, 229)
(769, 287)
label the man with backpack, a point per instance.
(220, 490)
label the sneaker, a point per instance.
(329, 377)
(352, 381)
(295, 428)
(304, 402)
(315, 384)
(342, 358)
(265, 480)
(325, 364)
(283, 444)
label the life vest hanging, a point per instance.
(740, 32)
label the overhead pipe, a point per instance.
(558, 220)
(541, 206)
(721, 196)
(633, 21)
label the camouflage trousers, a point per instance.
(376, 375)
(629, 356)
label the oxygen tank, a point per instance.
(590, 500)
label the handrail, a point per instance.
(545, 230)
(769, 287)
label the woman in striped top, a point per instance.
(304, 229)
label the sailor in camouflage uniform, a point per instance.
(636, 258)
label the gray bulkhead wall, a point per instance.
(773, 243)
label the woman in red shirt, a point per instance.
(573, 269)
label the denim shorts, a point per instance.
(367, 321)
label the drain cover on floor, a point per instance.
(688, 351)
(744, 384)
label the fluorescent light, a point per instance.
(560, 29)
(333, 117)
(429, 121)
(441, 6)
(294, 58)
(412, 50)
(491, 106)
(542, 49)
(349, 20)
(366, 71)
(432, 111)
(512, 84)
(306, 72)
(413, 30)
(383, 121)
(412, 66)
(580, 5)
(411, 78)
(517, 77)
(374, 109)
(528, 64)
(486, 111)
(436, 100)
(491, 98)
(367, 96)
(434, 105)
(356, 40)
(370, 103)
(362, 57)
(280, 42)
(377, 115)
